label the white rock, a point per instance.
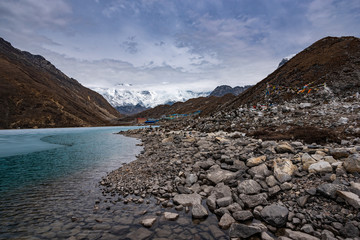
(320, 167)
(171, 216)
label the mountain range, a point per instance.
(34, 93)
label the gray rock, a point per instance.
(301, 201)
(216, 232)
(187, 199)
(211, 202)
(271, 181)
(238, 230)
(254, 200)
(248, 187)
(274, 190)
(352, 163)
(355, 188)
(224, 202)
(191, 179)
(350, 230)
(171, 216)
(283, 169)
(243, 215)
(139, 234)
(221, 190)
(350, 198)
(219, 175)
(148, 222)
(329, 189)
(226, 221)
(275, 215)
(261, 170)
(320, 167)
(295, 235)
(199, 211)
(307, 228)
(338, 153)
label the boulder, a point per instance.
(320, 167)
(254, 200)
(284, 148)
(187, 199)
(254, 161)
(248, 187)
(350, 198)
(219, 175)
(242, 231)
(283, 169)
(226, 220)
(199, 211)
(275, 215)
(352, 163)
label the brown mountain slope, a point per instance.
(33, 93)
(331, 60)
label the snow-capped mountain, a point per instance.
(129, 100)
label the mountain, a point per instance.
(225, 89)
(329, 66)
(34, 93)
(285, 60)
(129, 100)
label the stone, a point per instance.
(187, 199)
(216, 232)
(254, 200)
(266, 236)
(171, 216)
(219, 175)
(355, 188)
(191, 179)
(329, 189)
(301, 201)
(307, 228)
(284, 148)
(350, 230)
(238, 230)
(211, 202)
(260, 170)
(148, 222)
(351, 198)
(306, 161)
(254, 161)
(352, 163)
(243, 215)
(283, 170)
(320, 167)
(338, 153)
(271, 181)
(199, 211)
(221, 190)
(139, 234)
(295, 235)
(248, 187)
(275, 215)
(224, 202)
(226, 221)
(274, 190)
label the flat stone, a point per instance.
(254, 161)
(220, 175)
(139, 234)
(283, 170)
(320, 167)
(171, 216)
(226, 221)
(224, 202)
(238, 230)
(275, 215)
(351, 198)
(243, 215)
(295, 235)
(248, 187)
(187, 199)
(148, 222)
(254, 200)
(199, 211)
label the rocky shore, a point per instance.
(257, 189)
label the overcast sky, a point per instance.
(195, 44)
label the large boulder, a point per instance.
(187, 199)
(248, 187)
(275, 215)
(352, 163)
(238, 230)
(283, 170)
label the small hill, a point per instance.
(34, 93)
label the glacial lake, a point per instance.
(49, 188)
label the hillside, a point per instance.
(332, 61)
(34, 93)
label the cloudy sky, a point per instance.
(188, 44)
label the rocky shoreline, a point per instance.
(257, 189)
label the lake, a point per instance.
(49, 188)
